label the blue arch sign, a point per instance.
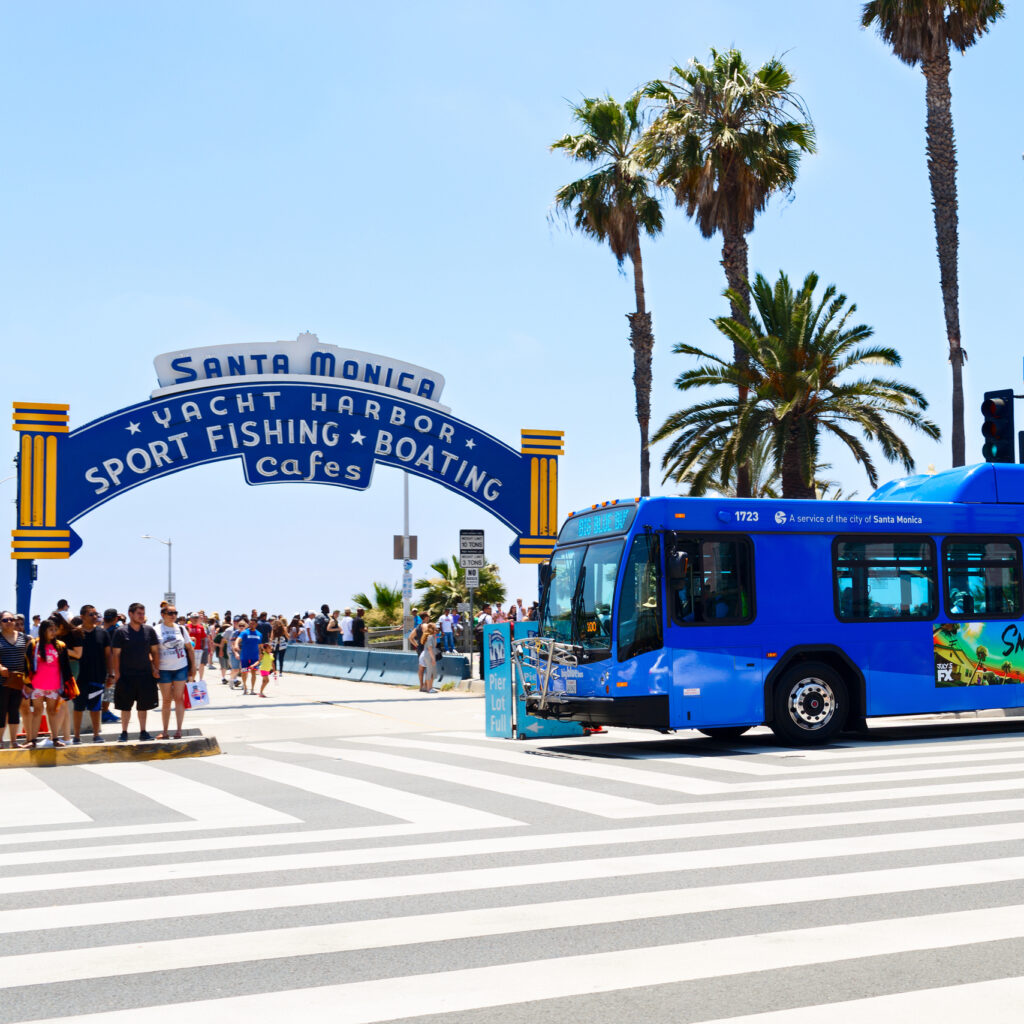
(290, 412)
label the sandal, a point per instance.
(58, 743)
(177, 735)
(162, 736)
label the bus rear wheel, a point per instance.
(811, 704)
(726, 732)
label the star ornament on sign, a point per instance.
(358, 437)
(470, 443)
(133, 428)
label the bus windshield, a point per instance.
(577, 606)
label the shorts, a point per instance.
(233, 661)
(173, 675)
(135, 688)
(202, 657)
(265, 672)
(90, 695)
(10, 707)
(44, 694)
(251, 666)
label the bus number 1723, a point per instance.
(746, 517)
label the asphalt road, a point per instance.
(362, 853)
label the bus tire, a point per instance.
(726, 732)
(811, 704)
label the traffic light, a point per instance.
(997, 428)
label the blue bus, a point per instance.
(721, 614)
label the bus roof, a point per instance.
(982, 498)
(984, 484)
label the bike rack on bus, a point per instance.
(541, 654)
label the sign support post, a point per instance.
(471, 558)
(406, 567)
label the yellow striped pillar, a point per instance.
(543, 447)
(42, 427)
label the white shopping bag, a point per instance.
(198, 694)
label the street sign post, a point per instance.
(471, 557)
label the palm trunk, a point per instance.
(942, 178)
(641, 341)
(734, 260)
(793, 483)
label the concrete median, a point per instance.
(110, 753)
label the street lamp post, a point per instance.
(169, 596)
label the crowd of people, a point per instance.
(69, 666)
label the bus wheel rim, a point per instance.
(811, 704)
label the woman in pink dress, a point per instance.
(48, 671)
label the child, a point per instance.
(266, 666)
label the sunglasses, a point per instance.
(8, 620)
(172, 614)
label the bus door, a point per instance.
(717, 664)
(643, 666)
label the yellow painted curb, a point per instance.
(110, 753)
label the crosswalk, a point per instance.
(443, 876)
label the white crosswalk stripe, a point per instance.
(752, 861)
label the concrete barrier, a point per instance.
(452, 668)
(295, 656)
(364, 664)
(393, 667)
(353, 662)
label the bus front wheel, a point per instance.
(811, 704)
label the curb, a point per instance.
(110, 753)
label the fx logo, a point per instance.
(944, 673)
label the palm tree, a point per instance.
(765, 476)
(921, 32)
(703, 477)
(386, 601)
(798, 352)
(726, 140)
(448, 587)
(614, 204)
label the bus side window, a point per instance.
(882, 578)
(711, 580)
(639, 624)
(982, 577)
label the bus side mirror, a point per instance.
(678, 564)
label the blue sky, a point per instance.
(189, 174)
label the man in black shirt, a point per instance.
(320, 625)
(93, 668)
(136, 667)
